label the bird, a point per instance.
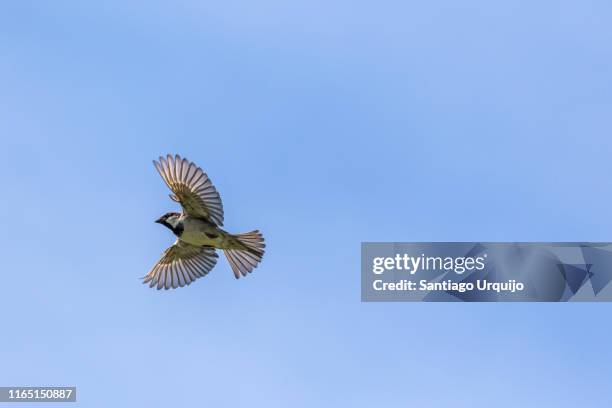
(198, 230)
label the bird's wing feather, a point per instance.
(180, 265)
(192, 188)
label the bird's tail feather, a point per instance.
(247, 252)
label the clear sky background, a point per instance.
(323, 125)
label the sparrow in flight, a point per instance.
(197, 230)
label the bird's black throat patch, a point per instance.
(178, 230)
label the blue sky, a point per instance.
(323, 125)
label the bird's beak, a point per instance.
(159, 221)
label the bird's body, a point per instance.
(198, 230)
(201, 232)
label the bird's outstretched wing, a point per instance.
(180, 265)
(191, 187)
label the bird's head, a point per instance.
(169, 220)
